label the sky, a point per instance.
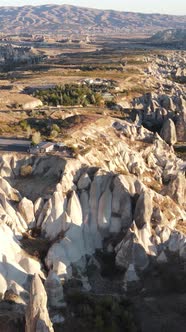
(177, 7)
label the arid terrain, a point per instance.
(92, 171)
(65, 18)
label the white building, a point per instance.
(42, 147)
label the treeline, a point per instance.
(69, 95)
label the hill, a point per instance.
(50, 18)
(170, 35)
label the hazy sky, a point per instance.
(148, 6)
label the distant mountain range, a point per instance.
(65, 18)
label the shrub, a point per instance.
(26, 170)
(36, 138)
(100, 313)
(54, 134)
(56, 128)
(24, 124)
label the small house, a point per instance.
(46, 146)
(42, 147)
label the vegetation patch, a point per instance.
(95, 313)
(68, 95)
(35, 246)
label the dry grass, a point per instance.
(181, 227)
(13, 100)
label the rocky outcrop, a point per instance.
(74, 209)
(11, 193)
(143, 210)
(180, 75)
(181, 127)
(97, 188)
(37, 317)
(83, 182)
(11, 253)
(38, 207)
(54, 290)
(52, 216)
(11, 217)
(31, 266)
(134, 250)
(134, 196)
(68, 251)
(105, 210)
(170, 35)
(177, 188)
(153, 109)
(121, 204)
(168, 132)
(35, 103)
(26, 209)
(105, 204)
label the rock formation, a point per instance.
(26, 209)
(54, 290)
(131, 205)
(168, 132)
(37, 318)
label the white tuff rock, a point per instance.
(37, 317)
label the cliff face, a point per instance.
(125, 195)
